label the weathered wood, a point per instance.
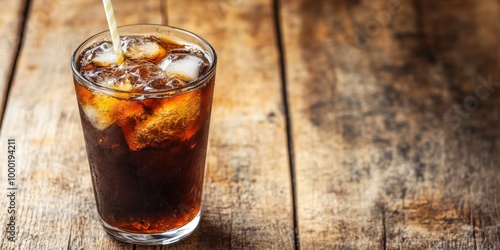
(56, 208)
(11, 21)
(380, 161)
(394, 108)
(247, 202)
(247, 199)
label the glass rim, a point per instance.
(125, 94)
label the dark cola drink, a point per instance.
(146, 124)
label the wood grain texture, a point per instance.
(56, 204)
(247, 199)
(394, 109)
(248, 187)
(11, 20)
(381, 161)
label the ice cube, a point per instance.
(143, 48)
(184, 66)
(99, 111)
(92, 114)
(100, 55)
(89, 55)
(124, 85)
(102, 111)
(105, 58)
(173, 119)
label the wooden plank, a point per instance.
(377, 165)
(453, 202)
(336, 193)
(55, 203)
(247, 199)
(11, 21)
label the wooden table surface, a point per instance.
(337, 124)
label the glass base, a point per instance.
(164, 238)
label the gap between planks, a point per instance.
(288, 120)
(20, 34)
